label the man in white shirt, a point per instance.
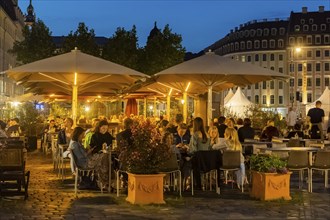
(291, 119)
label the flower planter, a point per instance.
(145, 189)
(269, 186)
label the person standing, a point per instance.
(291, 119)
(316, 117)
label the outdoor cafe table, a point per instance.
(288, 149)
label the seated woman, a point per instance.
(216, 142)
(199, 140)
(270, 131)
(296, 133)
(232, 143)
(101, 138)
(85, 160)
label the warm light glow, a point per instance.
(15, 104)
(99, 96)
(75, 79)
(88, 101)
(187, 87)
(182, 101)
(169, 94)
(51, 95)
(87, 108)
(298, 49)
(151, 107)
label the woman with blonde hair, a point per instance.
(215, 141)
(233, 143)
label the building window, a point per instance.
(282, 31)
(317, 39)
(291, 82)
(264, 85)
(328, 20)
(280, 57)
(317, 67)
(280, 100)
(256, 86)
(311, 21)
(256, 99)
(280, 43)
(274, 30)
(259, 32)
(249, 87)
(326, 39)
(326, 53)
(323, 27)
(302, 21)
(309, 53)
(249, 45)
(317, 53)
(300, 40)
(256, 44)
(309, 40)
(264, 44)
(236, 46)
(232, 46)
(266, 32)
(272, 68)
(309, 67)
(317, 82)
(272, 57)
(252, 33)
(242, 45)
(272, 43)
(280, 85)
(291, 67)
(299, 82)
(297, 28)
(249, 58)
(299, 67)
(309, 82)
(272, 99)
(309, 97)
(314, 27)
(243, 59)
(246, 33)
(256, 57)
(272, 84)
(291, 41)
(305, 28)
(264, 100)
(264, 57)
(326, 81)
(280, 69)
(326, 66)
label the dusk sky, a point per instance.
(200, 23)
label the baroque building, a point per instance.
(11, 26)
(297, 46)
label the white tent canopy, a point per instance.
(229, 95)
(238, 103)
(325, 99)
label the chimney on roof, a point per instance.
(321, 9)
(240, 26)
(236, 28)
(231, 30)
(304, 10)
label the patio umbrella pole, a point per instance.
(209, 105)
(145, 107)
(168, 107)
(74, 103)
(185, 109)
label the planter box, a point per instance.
(269, 186)
(145, 189)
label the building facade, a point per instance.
(297, 46)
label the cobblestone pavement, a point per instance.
(50, 198)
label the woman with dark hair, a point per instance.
(246, 132)
(84, 159)
(101, 138)
(199, 140)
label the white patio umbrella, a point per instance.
(211, 71)
(71, 71)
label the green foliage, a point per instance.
(83, 39)
(267, 163)
(162, 51)
(122, 48)
(28, 117)
(37, 44)
(57, 110)
(147, 154)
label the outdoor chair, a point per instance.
(282, 155)
(82, 171)
(62, 160)
(172, 168)
(257, 147)
(231, 161)
(322, 162)
(294, 142)
(298, 161)
(13, 176)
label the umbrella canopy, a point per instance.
(67, 72)
(213, 72)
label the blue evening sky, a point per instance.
(200, 23)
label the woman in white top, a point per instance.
(232, 142)
(216, 142)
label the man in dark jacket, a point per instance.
(221, 127)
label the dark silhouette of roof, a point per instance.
(9, 7)
(154, 32)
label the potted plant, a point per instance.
(143, 159)
(270, 177)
